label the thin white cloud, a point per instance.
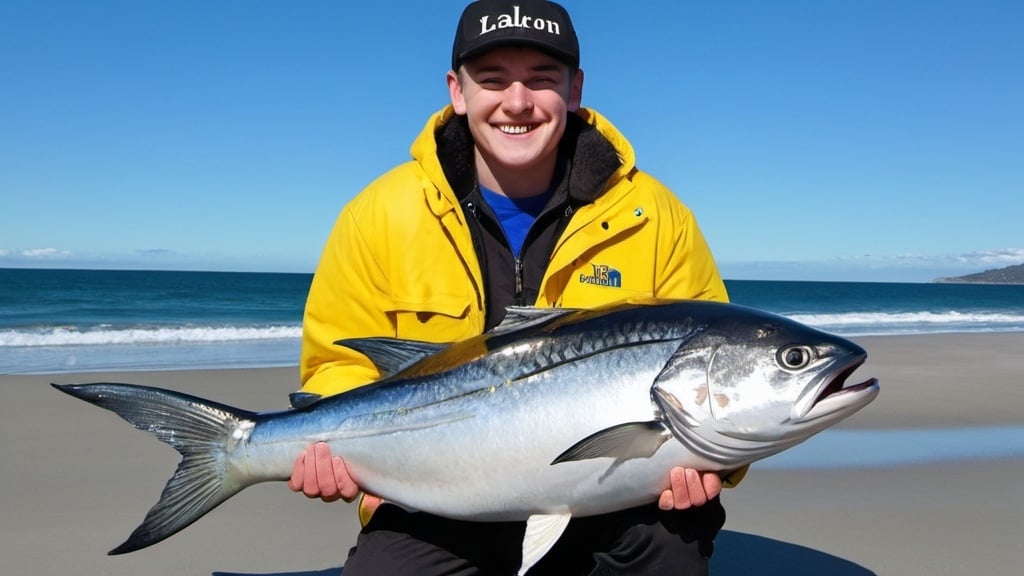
(992, 258)
(908, 267)
(155, 252)
(45, 253)
(1001, 257)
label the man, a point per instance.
(516, 195)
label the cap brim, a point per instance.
(492, 44)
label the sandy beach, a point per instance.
(76, 480)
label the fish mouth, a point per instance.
(836, 396)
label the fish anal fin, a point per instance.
(542, 531)
(622, 442)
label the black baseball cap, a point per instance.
(487, 24)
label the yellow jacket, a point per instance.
(400, 260)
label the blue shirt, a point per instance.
(516, 215)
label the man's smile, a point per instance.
(516, 128)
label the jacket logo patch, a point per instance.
(604, 275)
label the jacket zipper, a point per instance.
(519, 282)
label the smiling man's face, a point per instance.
(516, 101)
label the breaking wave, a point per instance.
(846, 323)
(917, 322)
(108, 335)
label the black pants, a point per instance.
(640, 541)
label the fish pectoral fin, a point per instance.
(622, 442)
(542, 531)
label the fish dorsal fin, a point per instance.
(542, 531)
(392, 355)
(622, 442)
(517, 317)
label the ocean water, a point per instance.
(54, 321)
(89, 320)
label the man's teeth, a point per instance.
(519, 129)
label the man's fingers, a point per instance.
(298, 473)
(712, 485)
(695, 489)
(325, 477)
(310, 486)
(679, 489)
(666, 501)
(687, 487)
(347, 488)
(317, 474)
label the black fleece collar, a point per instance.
(586, 159)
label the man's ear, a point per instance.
(576, 91)
(455, 92)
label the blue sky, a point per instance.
(876, 140)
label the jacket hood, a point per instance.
(593, 155)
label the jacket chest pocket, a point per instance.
(434, 317)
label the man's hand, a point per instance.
(689, 488)
(319, 475)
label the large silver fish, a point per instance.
(556, 413)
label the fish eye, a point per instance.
(794, 357)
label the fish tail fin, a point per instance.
(205, 433)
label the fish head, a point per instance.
(750, 384)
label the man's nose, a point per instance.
(518, 99)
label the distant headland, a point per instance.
(1009, 275)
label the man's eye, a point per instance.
(543, 83)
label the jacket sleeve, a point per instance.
(347, 299)
(685, 267)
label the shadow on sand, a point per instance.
(735, 554)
